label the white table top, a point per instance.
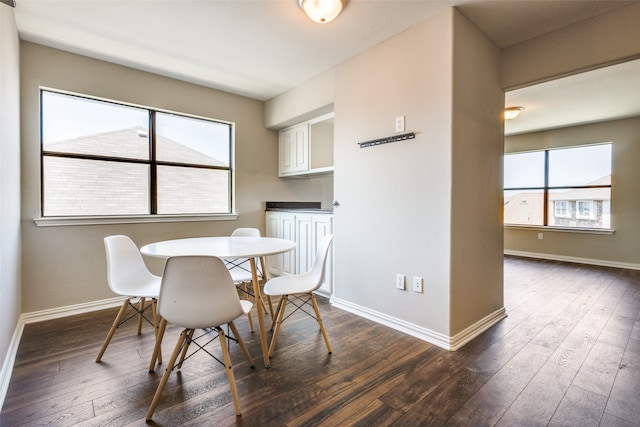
(223, 247)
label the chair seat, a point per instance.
(147, 287)
(246, 305)
(240, 275)
(285, 285)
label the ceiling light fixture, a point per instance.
(512, 112)
(322, 11)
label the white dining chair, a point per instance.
(127, 275)
(240, 270)
(298, 290)
(197, 292)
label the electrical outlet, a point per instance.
(540, 236)
(417, 284)
(400, 124)
(400, 281)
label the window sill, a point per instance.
(137, 219)
(560, 229)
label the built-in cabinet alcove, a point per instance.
(307, 148)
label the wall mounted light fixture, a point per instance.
(322, 11)
(512, 112)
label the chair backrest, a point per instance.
(316, 274)
(126, 270)
(249, 232)
(240, 268)
(198, 292)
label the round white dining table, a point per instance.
(229, 247)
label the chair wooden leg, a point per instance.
(229, 370)
(157, 349)
(236, 334)
(263, 266)
(114, 326)
(141, 313)
(324, 332)
(275, 317)
(281, 306)
(246, 293)
(156, 326)
(186, 347)
(167, 373)
(271, 312)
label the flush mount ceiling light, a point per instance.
(512, 112)
(322, 11)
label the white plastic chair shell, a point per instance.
(127, 273)
(302, 283)
(198, 292)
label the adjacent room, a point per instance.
(469, 267)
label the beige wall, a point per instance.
(619, 249)
(608, 38)
(309, 100)
(10, 287)
(393, 215)
(66, 265)
(476, 206)
(406, 207)
(597, 42)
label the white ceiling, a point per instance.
(604, 94)
(261, 48)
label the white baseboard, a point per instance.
(468, 334)
(71, 310)
(432, 337)
(39, 316)
(9, 360)
(589, 261)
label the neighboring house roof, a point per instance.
(132, 143)
(585, 193)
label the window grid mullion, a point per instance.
(153, 166)
(545, 202)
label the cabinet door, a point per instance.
(321, 226)
(294, 149)
(274, 229)
(304, 233)
(288, 232)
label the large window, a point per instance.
(103, 158)
(567, 187)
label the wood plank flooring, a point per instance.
(568, 354)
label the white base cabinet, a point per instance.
(307, 230)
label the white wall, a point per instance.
(10, 288)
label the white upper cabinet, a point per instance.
(307, 148)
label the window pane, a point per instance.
(183, 190)
(524, 207)
(524, 170)
(71, 124)
(188, 140)
(585, 208)
(75, 187)
(580, 166)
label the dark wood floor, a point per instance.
(568, 354)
